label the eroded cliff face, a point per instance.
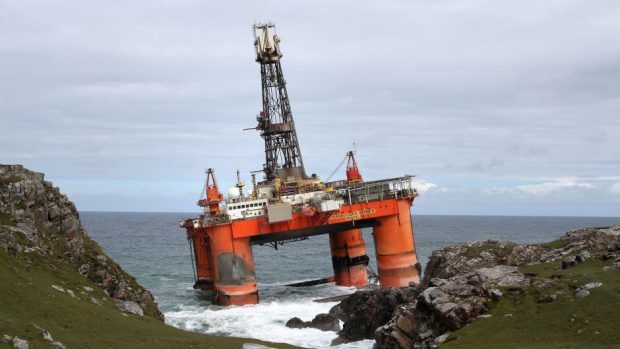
(36, 218)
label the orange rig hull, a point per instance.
(224, 263)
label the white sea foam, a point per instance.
(265, 321)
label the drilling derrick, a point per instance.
(282, 154)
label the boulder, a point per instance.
(295, 323)
(502, 275)
(364, 311)
(582, 256)
(582, 293)
(130, 307)
(325, 322)
(20, 343)
(569, 262)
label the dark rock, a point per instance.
(568, 262)
(339, 340)
(463, 313)
(325, 322)
(336, 312)
(608, 256)
(365, 311)
(295, 323)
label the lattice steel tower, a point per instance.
(282, 153)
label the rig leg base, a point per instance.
(349, 257)
(396, 257)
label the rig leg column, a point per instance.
(233, 264)
(202, 257)
(396, 258)
(349, 257)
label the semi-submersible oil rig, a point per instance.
(289, 205)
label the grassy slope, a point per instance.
(591, 322)
(27, 298)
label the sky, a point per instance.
(497, 107)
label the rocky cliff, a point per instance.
(35, 218)
(468, 282)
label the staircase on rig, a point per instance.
(288, 205)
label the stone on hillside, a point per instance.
(441, 338)
(59, 345)
(592, 285)
(582, 256)
(582, 293)
(568, 262)
(502, 275)
(46, 335)
(84, 269)
(130, 307)
(20, 343)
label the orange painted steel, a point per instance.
(233, 266)
(230, 254)
(349, 257)
(203, 260)
(395, 248)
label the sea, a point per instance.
(153, 248)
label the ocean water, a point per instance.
(153, 248)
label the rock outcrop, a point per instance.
(36, 218)
(323, 322)
(460, 283)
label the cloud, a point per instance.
(615, 188)
(464, 94)
(423, 186)
(555, 186)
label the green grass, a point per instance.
(556, 244)
(591, 322)
(27, 298)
